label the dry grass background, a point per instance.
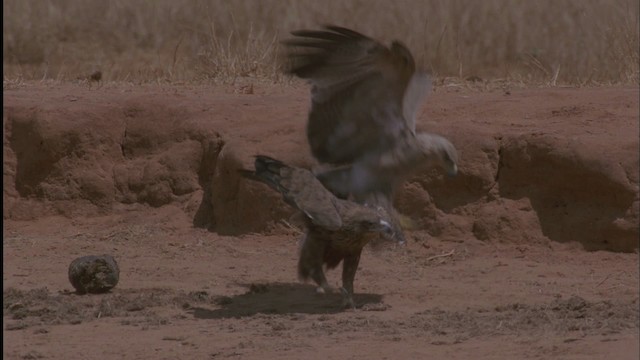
(578, 42)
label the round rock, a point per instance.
(94, 274)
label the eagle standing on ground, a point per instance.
(336, 229)
(364, 100)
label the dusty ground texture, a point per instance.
(531, 252)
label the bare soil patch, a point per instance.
(496, 269)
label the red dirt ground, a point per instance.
(530, 252)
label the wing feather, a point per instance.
(417, 90)
(358, 91)
(300, 189)
(308, 195)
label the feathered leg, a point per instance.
(349, 268)
(310, 262)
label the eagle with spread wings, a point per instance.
(336, 230)
(364, 101)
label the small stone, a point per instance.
(94, 274)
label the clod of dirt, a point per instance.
(375, 307)
(94, 274)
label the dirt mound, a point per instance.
(534, 165)
(83, 160)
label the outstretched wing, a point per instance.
(299, 188)
(364, 94)
(417, 90)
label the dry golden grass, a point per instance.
(579, 42)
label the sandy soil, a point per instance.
(495, 270)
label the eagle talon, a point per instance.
(347, 299)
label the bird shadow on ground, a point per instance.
(280, 298)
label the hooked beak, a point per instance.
(387, 229)
(391, 233)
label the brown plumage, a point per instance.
(336, 229)
(364, 100)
